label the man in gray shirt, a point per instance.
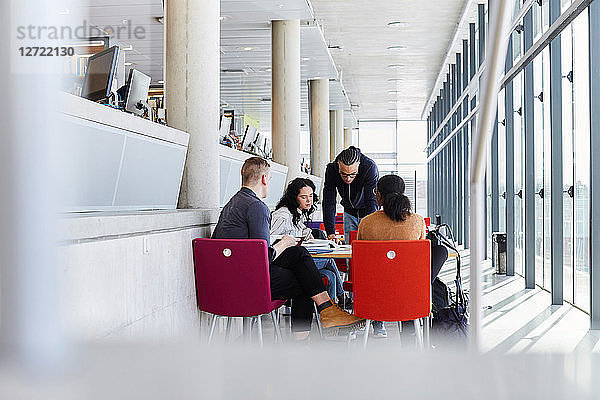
(292, 270)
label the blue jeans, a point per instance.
(327, 267)
(350, 224)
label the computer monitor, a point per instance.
(259, 145)
(99, 74)
(267, 148)
(249, 138)
(225, 126)
(137, 92)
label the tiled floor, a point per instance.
(515, 319)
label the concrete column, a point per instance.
(332, 131)
(319, 125)
(347, 137)
(285, 98)
(192, 74)
(339, 131)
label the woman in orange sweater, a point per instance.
(396, 222)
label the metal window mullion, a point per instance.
(556, 178)
(467, 181)
(594, 32)
(529, 156)
(495, 181)
(459, 230)
(481, 22)
(510, 169)
(471, 51)
(465, 56)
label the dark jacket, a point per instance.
(245, 216)
(358, 198)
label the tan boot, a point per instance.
(336, 321)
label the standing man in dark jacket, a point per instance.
(354, 175)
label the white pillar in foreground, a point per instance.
(319, 125)
(285, 98)
(192, 73)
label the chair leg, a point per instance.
(213, 323)
(366, 337)
(400, 332)
(426, 323)
(418, 333)
(276, 325)
(259, 326)
(249, 324)
(228, 329)
(318, 318)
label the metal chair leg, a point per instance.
(248, 326)
(318, 318)
(366, 337)
(260, 333)
(213, 322)
(276, 325)
(418, 334)
(400, 332)
(426, 323)
(228, 329)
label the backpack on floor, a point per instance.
(450, 315)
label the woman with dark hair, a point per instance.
(292, 212)
(397, 222)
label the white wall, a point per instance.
(126, 276)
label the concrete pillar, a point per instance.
(339, 131)
(192, 74)
(336, 132)
(319, 125)
(347, 137)
(332, 131)
(285, 98)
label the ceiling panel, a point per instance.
(366, 62)
(359, 28)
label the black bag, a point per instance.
(450, 321)
(440, 295)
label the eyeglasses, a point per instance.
(352, 175)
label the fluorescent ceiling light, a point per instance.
(395, 66)
(397, 47)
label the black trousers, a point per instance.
(295, 276)
(439, 255)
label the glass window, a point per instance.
(581, 155)
(518, 170)
(565, 4)
(537, 20)
(501, 162)
(538, 137)
(547, 168)
(567, 142)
